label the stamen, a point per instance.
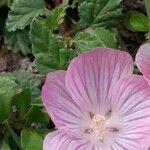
(89, 131)
(108, 114)
(91, 115)
(113, 129)
(98, 121)
(97, 127)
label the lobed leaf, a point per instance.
(55, 17)
(8, 88)
(95, 38)
(26, 80)
(49, 51)
(22, 12)
(136, 21)
(18, 41)
(99, 12)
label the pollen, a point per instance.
(98, 122)
(97, 127)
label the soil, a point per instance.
(132, 40)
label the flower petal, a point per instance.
(59, 141)
(131, 105)
(143, 60)
(92, 75)
(64, 112)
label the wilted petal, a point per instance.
(143, 60)
(63, 110)
(92, 75)
(131, 105)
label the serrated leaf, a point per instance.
(46, 63)
(22, 12)
(42, 39)
(8, 88)
(136, 21)
(31, 140)
(55, 17)
(65, 56)
(47, 49)
(94, 38)
(99, 12)
(18, 41)
(26, 80)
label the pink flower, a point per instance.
(97, 104)
(143, 63)
(143, 60)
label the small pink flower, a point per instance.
(97, 104)
(143, 60)
(143, 63)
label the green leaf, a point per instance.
(18, 41)
(37, 102)
(22, 101)
(55, 17)
(99, 37)
(8, 88)
(50, 52)
(43, 131)
(26, 80)
(31, 140)
(12, 136)
(42, 39)
(100, 12)
(22, 12)
(65, 56)
(47, 63)
(4, 146)
(10, 2)
(136, 21)
(37, 115)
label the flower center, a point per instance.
(98, 122)
(97, 127)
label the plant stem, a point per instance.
(147, 5)
(13, 135)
